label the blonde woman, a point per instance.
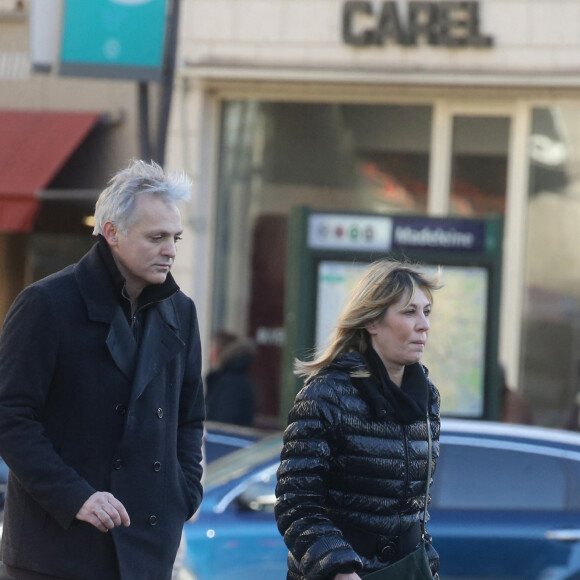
(351, 484)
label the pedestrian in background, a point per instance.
(229, 386)
(101, 398)
(514, 407)
(352, 480)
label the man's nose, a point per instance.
(170, 248)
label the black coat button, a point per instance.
(160, 413)
(157, 466)
(121, 410)
(117, 464)
(388, 551)
(152, 520)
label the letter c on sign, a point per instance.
(350, 9)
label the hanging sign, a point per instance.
(122, 39)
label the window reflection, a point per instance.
(551, 317)
(274, 156)
(479, 165)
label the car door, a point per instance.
(506, 509)
(248, 541)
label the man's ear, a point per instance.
(110, 233)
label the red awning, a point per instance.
(34, 146)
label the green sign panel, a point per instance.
(327, 254)
(122, 39)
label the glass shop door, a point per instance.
(479, 168)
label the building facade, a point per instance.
(61, 139)
(460, 109)
(439, 108)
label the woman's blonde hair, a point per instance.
(384, 283)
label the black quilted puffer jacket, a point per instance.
(352, 476)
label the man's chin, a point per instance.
(158, 278)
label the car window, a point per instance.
(474, 477)
(259, 496)
(213, 450)
(243, 461)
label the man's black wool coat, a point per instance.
(83, 410)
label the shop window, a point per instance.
(274, 156)
(550, 359)
(479, 165)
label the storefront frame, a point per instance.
(213, 87)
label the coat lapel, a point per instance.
(103, 306)
(122, 345)
(160, 344)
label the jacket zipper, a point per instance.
(407, 482)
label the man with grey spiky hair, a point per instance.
(101, 398)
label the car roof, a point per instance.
(449, 425)
(235, 431)
(532, 433)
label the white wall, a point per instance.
(530, 35)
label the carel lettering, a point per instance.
(433, 23)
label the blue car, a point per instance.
(505, 505)
(223, 438)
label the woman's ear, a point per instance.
(371, 328)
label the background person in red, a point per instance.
(101, 398)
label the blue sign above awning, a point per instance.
(122, 39)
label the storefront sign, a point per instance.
(434, 23)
